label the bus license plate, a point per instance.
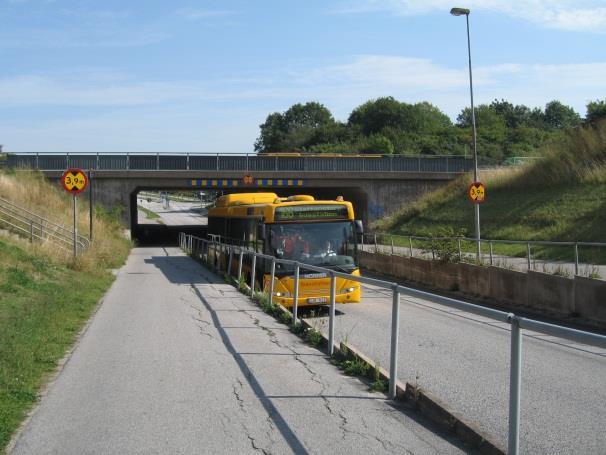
(317, 300)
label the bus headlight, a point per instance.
(347, 290)
(282, 294)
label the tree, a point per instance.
(301, 126)
(595, 110)
(376, 143)
(559, 116)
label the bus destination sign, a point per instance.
(311, 212)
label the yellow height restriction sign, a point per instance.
(74, 181)
(477, 192)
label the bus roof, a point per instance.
(272, 208)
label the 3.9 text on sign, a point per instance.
(476, 192)
(74, 181)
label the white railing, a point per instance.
(35, 227)
(432, 247)
(199, 249)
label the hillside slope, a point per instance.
(562, 197)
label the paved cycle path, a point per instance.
(176, 361)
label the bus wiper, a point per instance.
(343, 269)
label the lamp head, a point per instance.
(460, 12)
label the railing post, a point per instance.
(247, 167)
(395, 332)
(276, 164)
(127, 162)
(392, 244)
(295, 294)
(515, 384)
(419, 163)
(253, 271)
(157, 161)
(376, 246)
(490, 246)
(576, 258)
(187, 161)
(37, 162)
(272, 277)
(528, 254)
(98, 161)
(31, 231)
(241, 260)
(331, 314)
(231, 257)
(362, 243)
(67, 161)
(460, 253)
(410, 242)
(217, 161)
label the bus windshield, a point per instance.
(327, 244)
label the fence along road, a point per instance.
(471, 357)
(393, 244)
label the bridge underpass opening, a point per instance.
(154, 223)
(158, 215)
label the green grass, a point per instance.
(149, 214)
(560, 198)
(41, 313)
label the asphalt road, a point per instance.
(177, 214)
(464, 360)
(176, 361)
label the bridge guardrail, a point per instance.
(244, 163)
(403, 245)
(199, 249)
(33, 226)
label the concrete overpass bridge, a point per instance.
(377, 185)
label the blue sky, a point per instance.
(186, 77)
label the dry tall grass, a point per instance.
(33, 192)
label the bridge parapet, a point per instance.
(244, 163)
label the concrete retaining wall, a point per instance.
(541, 293)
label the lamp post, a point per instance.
(465, 12)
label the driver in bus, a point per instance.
(327, 250)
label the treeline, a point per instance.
(388, 126)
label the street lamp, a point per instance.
(465, 12)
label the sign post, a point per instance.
(477, 195)
(74, 181)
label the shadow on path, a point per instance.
(281, 424)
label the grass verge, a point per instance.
(46, 296)
(150, 214)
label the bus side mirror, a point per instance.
(359, 227)
(261, 231)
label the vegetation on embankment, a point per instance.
(46, 296)
(560, 198)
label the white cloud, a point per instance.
(115, 112)
(579, 15)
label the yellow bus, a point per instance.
(299, 228)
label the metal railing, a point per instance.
(36, 227)
(243, 162)
(426, 247)
(199, 248)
